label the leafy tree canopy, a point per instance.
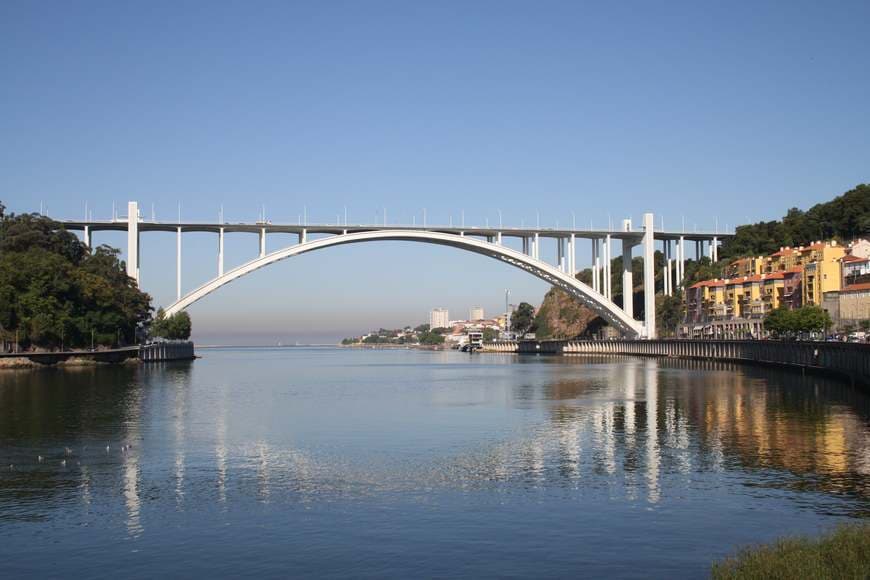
(845, 217)
(175, 327)
(523, 318)
(54, 292)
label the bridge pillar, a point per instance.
(649, 276)
(133, 240)
(714, 250)
(536, 246)
(498, 238)
(666, 267)
(86, 237)
(303, 236)
(262, 242)
(627, 282)
(681, 260)
(572, 255)
(221, 252)
(595, 277)
(178, 264)
(607, 292)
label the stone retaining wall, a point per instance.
(848, 360)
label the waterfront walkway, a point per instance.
(848, 360)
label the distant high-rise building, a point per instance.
(439, 318)
(476, 313)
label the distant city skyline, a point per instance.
(485, 112)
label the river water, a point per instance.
(301, 462)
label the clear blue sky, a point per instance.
(695, 109)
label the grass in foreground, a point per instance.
(843, 553)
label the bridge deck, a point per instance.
(513, 232)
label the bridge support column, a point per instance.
(133, 240)
(303, 236)
(262, 242)
(607, 285)
(536, 247)
(627, 282)
(526, 245)
(714, 250)
(178, 264)
(498, 238)
(560, 254)
(221, 252)
(649, 276)
(86, 238)
(681, 261)
(572, 255)
(666, 267)
(595, 277)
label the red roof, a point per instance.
(703, 283)
(785, 252)
(856, 287)
(851, 258)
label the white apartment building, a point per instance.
(439, 318)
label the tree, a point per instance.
(806, 319)
(175, 327)
(422, 328)
(431, 338)
(490, 334)
(811, 319)
(846, 217)
(522, 319)
(53, 290)
(780, 322)
(669, 313)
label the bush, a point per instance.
(842, 554)
(175, 327)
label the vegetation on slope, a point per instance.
(54, 293)
(845, 218)
(843, 554)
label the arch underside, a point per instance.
(550, 274)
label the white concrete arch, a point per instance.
(595, 300)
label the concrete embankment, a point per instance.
(849, 361)
(153, 352)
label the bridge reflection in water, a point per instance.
(641, 428)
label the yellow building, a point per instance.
(746, 267)
(821, 270)
(785, 259)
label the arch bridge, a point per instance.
(484, 241)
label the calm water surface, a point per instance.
(348, 463)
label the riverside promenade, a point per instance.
(847, 360)
(151, 352)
